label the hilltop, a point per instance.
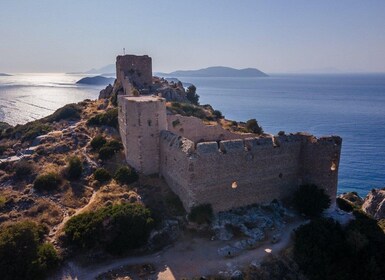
(217, 71)
(4, 75)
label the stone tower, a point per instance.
(133, 69)
(141, 119)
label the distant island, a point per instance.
(4, 75)
(97, 80)
(217, 71)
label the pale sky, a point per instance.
(271, 35)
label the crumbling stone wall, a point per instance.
(135, 70)
(140, 121)
(246, 171)
(196, 130)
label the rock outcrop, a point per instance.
(374, 204)
(171, 91)
(106, 93)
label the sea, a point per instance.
(349, 105)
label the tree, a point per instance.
(253, 126)
(311, 200)
(192, 96)
(23, 255)
(102, 175)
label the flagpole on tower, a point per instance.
(124, 51)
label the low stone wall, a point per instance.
(239, 172)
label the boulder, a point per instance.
(106, 93)
(374, 204)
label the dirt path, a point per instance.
(188, 257)
(56, 230)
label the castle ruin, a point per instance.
(209, 164)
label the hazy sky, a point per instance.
(272, 35)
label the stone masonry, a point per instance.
(217, 166)
(134, 70)
(206, 163)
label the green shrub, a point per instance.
(47, 182)
(23, 169)
(311, 200)
(23, 255)
(97, 142)
(325, 250)
(186, 109)
(74, 168)
(28, 131)
(253, 126)
(117, 228)
(126, 175)
(115, 145)
(192, 96)
(218, 114)
(69, 111)
(109, 118)
(201, 214)
(102, 175)
(106, 152)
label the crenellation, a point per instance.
(231, 146)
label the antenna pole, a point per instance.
(124, 51)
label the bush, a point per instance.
(201, 214)
(47, 182)
(109, 118)
(117, 228)
(311, 200)
(126, 175)
(97, 142)
(325, 250)
(69, 111)
(218, 114)
(23, 255)
(106, 152)
(23, 169)
(102, 175)
(253, 126)
(192, 96)
(115, 145)
(74, 168)
(28, 131)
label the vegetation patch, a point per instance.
(47, 182)
(23, 169)
(68, 112)
(23, 254)
(28, 131)
(97, 142)
(253, 126)
(126, 175)
(191, 95)
(109, 118)
(74, 168)
(325, 250)
(102, 175)
(116, 228)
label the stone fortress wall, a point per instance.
(233, 173)
(208, 164)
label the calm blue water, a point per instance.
(351, 106)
